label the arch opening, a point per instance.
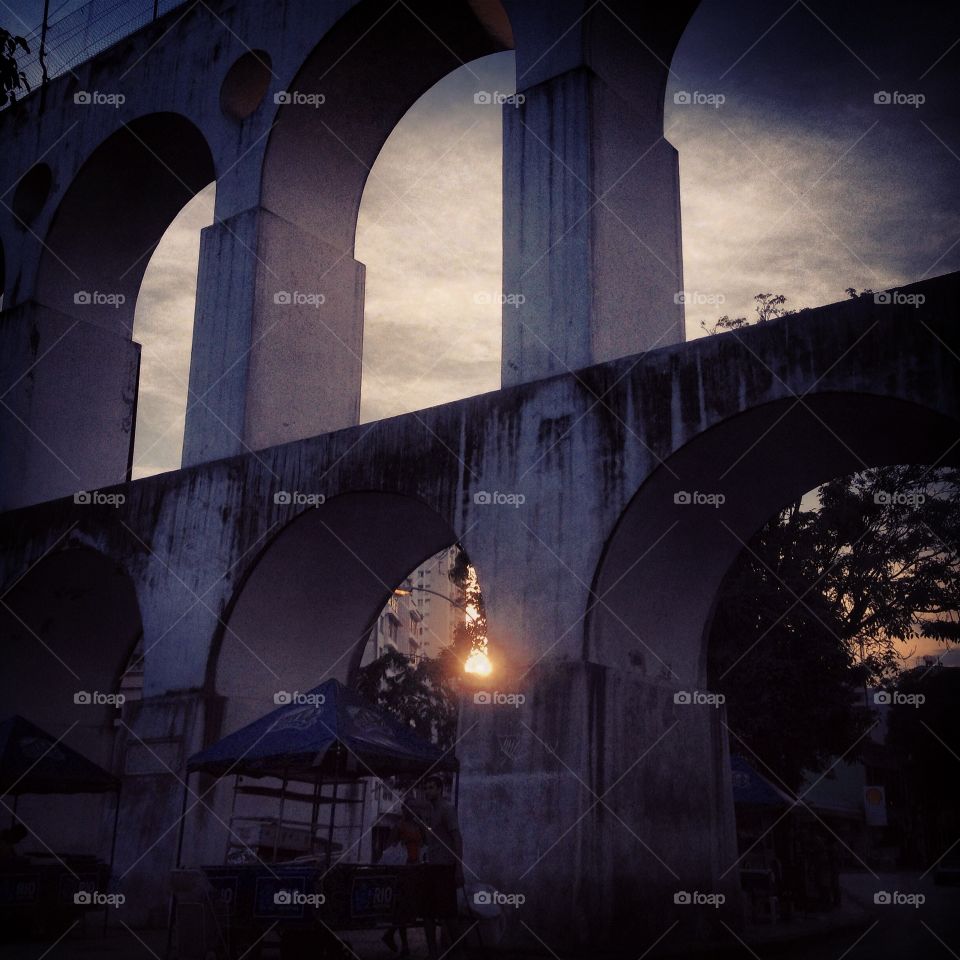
(113, 215)
(311, 608)
(69, 627)
(430, 234)
(655, 599)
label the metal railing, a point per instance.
(61, 43)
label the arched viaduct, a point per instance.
(601, 796)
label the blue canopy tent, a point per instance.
(325, 737)
(751, 789)
(329, 732)
(33, 761)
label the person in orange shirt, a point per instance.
(410, 835)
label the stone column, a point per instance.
(68, 390)
(277, 338)
(592, 257)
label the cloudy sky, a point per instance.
(797, 183)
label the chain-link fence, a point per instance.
(83, 33)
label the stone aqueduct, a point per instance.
(599, 588)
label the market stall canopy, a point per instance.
(32, 761)
(754, 790)
(329, 732)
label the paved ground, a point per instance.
(862, 931)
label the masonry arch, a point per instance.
(339, 109)
(113, 215)
(370, 68)
(73, 619)
(657, 581)
(304, 610)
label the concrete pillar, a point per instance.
(278, 334)
(607, 800)
(68, 393)
(592, 262)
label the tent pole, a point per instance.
(276, 833)
(333, 814)
(233, 813)
(314, 817)
(183, 817)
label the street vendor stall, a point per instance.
(304, 877)
(41, 894)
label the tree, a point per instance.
(418, 694)
(425, 694)
(12, 78)
(820, 603)
(822, 600)
(768, 306)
